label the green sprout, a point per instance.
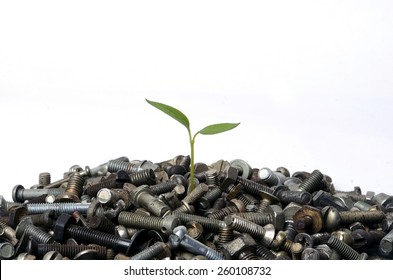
(181, 118)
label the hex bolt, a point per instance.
(235, 205)
(312, 183)
(179, 237)
(308, 219)
(287, 196)
(165, 224)
(143, 197)
(346, 251)
(266, 200)
(8, 232)
(333, 218)
(79, 218)
(208, 224)
(63, 228)
(273, 216)
(101, 223)
(386, 244)
(158, 249)
(116, 165)
(143, 177)
(59, 208)
(241, 248)
(20, 194)
(73, 190)
(265, 234)
(26, 227)
(271, 178)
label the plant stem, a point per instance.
(192, 141)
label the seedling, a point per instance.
(181, 118)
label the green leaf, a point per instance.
(172, 112)
(217, 128)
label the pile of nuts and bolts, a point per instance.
(141, 210)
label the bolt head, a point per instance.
(61, 224)
(233, 248)
(229, 177)
(244, 169)
(331, 217)
(169, 224)
(20, 229)
(177, 236)
(278, 216)
(15, 193)
(269, 235)
(311, 213)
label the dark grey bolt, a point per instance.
(312, 183)
(310, 254)
(64, 229)
(212, 179)
(235, 205)
(241, 248)
(274, 215)
(20, 194)
(207, 200)
(225, 235)
(197, 193)
(157, 250)
(114, 180)
(165, 224)
(323, 199)
(169, 185)
(383, 199)
(26, 227)
(265, 234)
(5, 205)
(243, 168)
(73, 190)
(217, 205)
(59, 208)
(179, 237)
(143, 197)
(266, 200)
(116, 165)
(271, 178)
(264, 253)
(46, 219)
(143, 177)
(102, 223)
(248, 199)
(346, 251)
(386, 244)
(287, 196)
(7, 250)
(69, 251)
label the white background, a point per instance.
(310, 82)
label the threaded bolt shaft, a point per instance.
(109, 183)
(59, 208)
(92, 236)
(344, 249)
(365, 217)
(21, 194)
(165, 224)
(36, 233)
(252, 187)
(197, 193)
(143, 177)
(225, 235)
(311, 184)
(261, 219)
(207, 223)
(8, 232)
(44, 179)
(116, 165)
(69, 251)
(245, 226)
(152, 251)
(223, 212)
(162, 187)
(264, 253)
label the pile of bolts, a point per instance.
(140, 210)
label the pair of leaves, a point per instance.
(181, 118)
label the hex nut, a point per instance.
(60, 226)
(229, 177)
(233, 248)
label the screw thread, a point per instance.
(365, 217)
(69, 251)
(150, 252)
(312, 183)
(261, 219)
(105, 184)
(102, 223)
(162, 187)
(96, 237)
(299, 197)
(225, 235)
(182, 209)
(290, 230)
(212, 194)
(44, 179)
(248, 255)
(212, 179)
(38, 234)
(213, 255)
(342, 248)
(197, 193)
(263, 205)
(264, 253)
(59, 208)
(246, 226)
(143, 177)
(247, 199)
(267, 176)
(252, 187)
(130, 219)
(218, 215)
(207, 223)
(75, 185)
(116, 165)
